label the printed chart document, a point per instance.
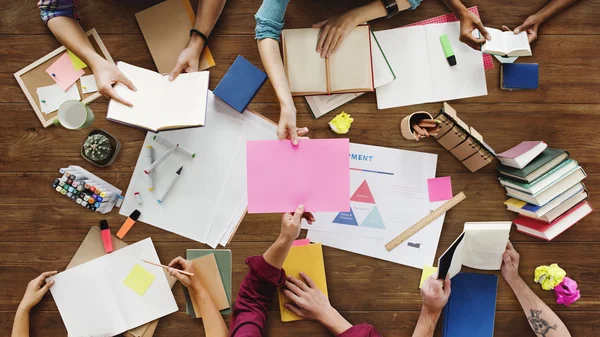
(94, 300)
(480, 246)
(388, 194)
(209, 199)
(422, 71)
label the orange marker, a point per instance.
(126, 226)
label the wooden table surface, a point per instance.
(40, 230)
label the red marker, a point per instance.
(106, 239)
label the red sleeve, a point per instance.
(361, 330)
(258, 288)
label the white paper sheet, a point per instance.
(207, 191)
(52, 96)
(88, 84)
(93, 301)
(388, 194)
(422, 71)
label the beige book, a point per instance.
(207, 272)
(166, 29)
(349, 69)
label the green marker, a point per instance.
(448, 52)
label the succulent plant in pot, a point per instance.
(100, 148)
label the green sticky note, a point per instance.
(76, 61)
(427, 271)
(139, 279)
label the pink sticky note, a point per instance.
(439, 188)
(281, 176)
(63, 73)
(301, 242)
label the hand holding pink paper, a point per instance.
(63, 73)
(282, 176)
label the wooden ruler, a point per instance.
(412, 230)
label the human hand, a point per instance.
(287, 127)
(291, 223)
(510, 264)
(308, 301)
(106, 75)
(468, 23)
(434, 295)
(188, 60)
(36, 289)
(179, 263)
(333, 31)
(530, 26)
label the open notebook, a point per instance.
(159, 104)
(506, 43)
(349, 69)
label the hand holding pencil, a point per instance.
(425, 128)
(177, 268)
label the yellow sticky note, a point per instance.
(427, 271)
(515, 202)
(139, 279)
(77, 62)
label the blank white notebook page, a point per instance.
(350, 65)
(497, 41)
(159, 102)
(306, 69)
(93, 300)
(422, 70)
(406, 50)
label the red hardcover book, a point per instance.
(549, 231)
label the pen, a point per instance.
(150, 159)
(169, 144)
(161, 159)
(162, 196)
(167, 267)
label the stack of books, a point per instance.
(546, 189)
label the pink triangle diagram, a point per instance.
(363, 194)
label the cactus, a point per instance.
(97, 147)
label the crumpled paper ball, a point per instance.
(566, 292)
(340, 124)
(549, 276)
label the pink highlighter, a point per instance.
(106, 239)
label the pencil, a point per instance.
(167, 267)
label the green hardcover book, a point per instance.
(223, 257)
(543, 163)
(547, 179)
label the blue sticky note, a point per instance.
(240, 84)
(519, 76)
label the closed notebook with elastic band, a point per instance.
(452, 138)
(466, 149)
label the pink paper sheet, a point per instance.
(282, 176)
(64, 73)
(301, 242)
(439, 189)
(520, 149)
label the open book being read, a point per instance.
(160, 104)
(506, 43)
(349, 69)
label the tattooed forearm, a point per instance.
(539, 325)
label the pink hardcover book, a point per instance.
(487, 59)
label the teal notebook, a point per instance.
(223, 257)
(547, 156)
(541, 181)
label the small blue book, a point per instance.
(471, 307)
(240, 84)
(519, 76)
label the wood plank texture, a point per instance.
(41, 230)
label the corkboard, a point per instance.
(34, 76)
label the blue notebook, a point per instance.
(519, 76)
(240, 84)
(471, 308)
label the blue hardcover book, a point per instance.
(471, 308)
(519, 76)
(240, 84)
